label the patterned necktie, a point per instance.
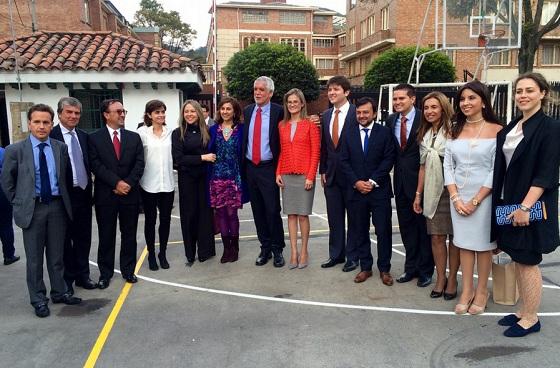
(403, 132)
(335, 129)
(366, 140)
(117, 144)
(256, 158)
(46, 192)
(78, 159)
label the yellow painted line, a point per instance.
(104, 334)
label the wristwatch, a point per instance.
(475, 202)
(524, 208)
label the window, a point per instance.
(551, 55)
(352, 3)
(85, 11)
(352, 33)
(320, 19)
(385, 18)
(323, 43)
(254, 16)
(549, 7)
(342, 41)
(248, 41)
(91, 100)
(324, 63)
(292, 17)
(298, 43)
(364, 63)
(371, 25)
(363, 29)
(449, 53)
(501, 58)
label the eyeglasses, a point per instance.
(119, 112)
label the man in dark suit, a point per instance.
(261, 147)
(78, 237)
(116, 156)
(334, 124)
(367, 157)
(35, 180)
(404, 126)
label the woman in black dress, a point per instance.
(526, 171)
(189, 144)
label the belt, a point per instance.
(53, 198)
(262, 163)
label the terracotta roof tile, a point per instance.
(88, 51)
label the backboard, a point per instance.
(479, 24)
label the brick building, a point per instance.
(375, 26)
(312, 30)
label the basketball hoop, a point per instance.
(484, 38)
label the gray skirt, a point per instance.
(295, 199)
(441, 224)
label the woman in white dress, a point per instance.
(468, 170)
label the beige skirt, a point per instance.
(441, 224)
(295, 199)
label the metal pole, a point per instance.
(215, 66)
(415, 61)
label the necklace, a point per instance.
(472, 143)
(475, 121)
(227, 132)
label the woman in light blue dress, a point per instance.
(468, 170)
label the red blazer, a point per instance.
(300, 156)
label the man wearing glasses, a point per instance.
(116, 157)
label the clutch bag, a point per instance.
(537, 213)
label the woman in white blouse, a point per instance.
(157, 183)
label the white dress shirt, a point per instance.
(111, 130)
(67, 135)
(158, 169)
(341, 117)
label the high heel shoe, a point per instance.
(302, 265)
(463, 308)
(450, 296)
(437, 294)
(475, 309)
(292, 266)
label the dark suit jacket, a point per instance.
(329, 161)
(18, 178)
(108, 170)
(534, 163)
(276, 116)
(375, 164)
(83, 138)
(407, 164)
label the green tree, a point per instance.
(175, 34)
(287, 67)
(393, 66)
(532, 29)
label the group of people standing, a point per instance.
(452, 166)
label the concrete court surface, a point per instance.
(240, 315)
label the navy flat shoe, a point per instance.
(517, 331)
(509, 320)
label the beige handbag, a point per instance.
(504, 284)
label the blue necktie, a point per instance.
(366, 130)
(78, 159)
(46, 193)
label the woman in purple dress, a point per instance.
(227, 191)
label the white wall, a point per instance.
(134, 101)
(551, 74)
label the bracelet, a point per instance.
(456, 199)
(453, 196)
(524, 208)
(418, 193)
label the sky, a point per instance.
(195, 12)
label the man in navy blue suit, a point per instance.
(367, 157)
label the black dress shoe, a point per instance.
(350, 266)
(10, 260)
(69, 288)
(67, 299)
(263, 258)
(103, 283)
(131, 278)
(331, 263)
(87, 284)
(424, 281)
(405, 277)
(42, 310)
(279, 260)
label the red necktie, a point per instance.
(403, 132)
(257, 137)
(117, 144)
(335, 129)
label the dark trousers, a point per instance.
(45, 236)
(197, 220)
(6, 227)
(336, 212)
(106, 216)
(265, 204)
(162, 201)
(359, 243)
(414, 234)
(77, 243)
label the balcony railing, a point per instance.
(377, 37)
